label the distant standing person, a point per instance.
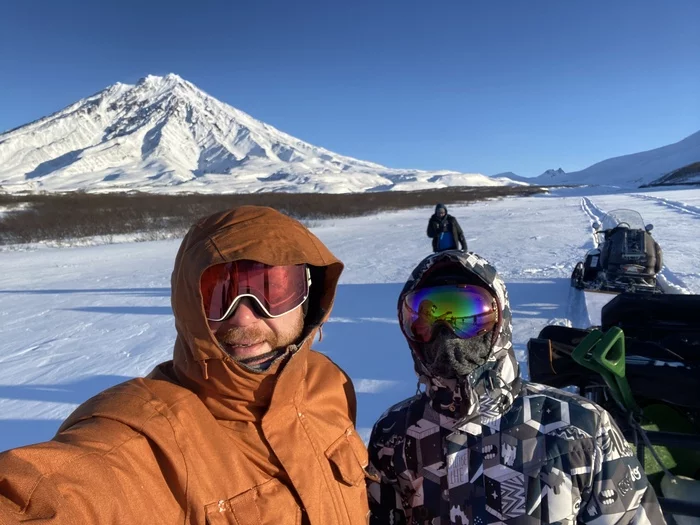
(445, 231)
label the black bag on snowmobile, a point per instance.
(550, 361)
(671, 321)
(654, 372)
(625, 246)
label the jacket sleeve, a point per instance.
(96, 471)
(61, 484)
(620, 492)
(460, 235)
(383, 493)
(433, 228)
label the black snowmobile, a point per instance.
(627, 258)
(641, 365)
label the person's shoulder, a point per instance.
(538, 389)
(131, 403)
(323, 371)
(401, 408)
(570, 407)
(320, 361)
(397, 418)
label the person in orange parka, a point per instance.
(245, 425)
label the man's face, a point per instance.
(442, 212)
(248, 333)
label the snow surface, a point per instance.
(78, 320)
(165, 135)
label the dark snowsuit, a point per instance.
(494, 449)
(448, 223)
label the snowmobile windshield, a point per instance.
(615, 218)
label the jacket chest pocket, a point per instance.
(348, 458)
(268, 503)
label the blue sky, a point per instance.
(468, 85)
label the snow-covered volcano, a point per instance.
(166, 135)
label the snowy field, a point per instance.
(78, 320)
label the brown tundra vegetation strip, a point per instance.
(56, 217)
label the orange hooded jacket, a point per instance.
(203, 440)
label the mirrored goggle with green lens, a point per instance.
(468, 310)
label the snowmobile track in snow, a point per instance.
(595, 214)
(674, 205)
(577, 313)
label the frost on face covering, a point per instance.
(450, 357)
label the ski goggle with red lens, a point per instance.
(277, 290)
(466, 309)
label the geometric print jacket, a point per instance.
(551, 458)
(493, 449)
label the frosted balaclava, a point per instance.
(446, 355)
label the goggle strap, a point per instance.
(238, 299)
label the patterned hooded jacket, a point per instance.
(494, 449)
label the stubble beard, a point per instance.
(251, 345)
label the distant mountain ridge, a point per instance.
(166, 135)
(633, 170)
(553, 173)
(689, 174)
(512, 176)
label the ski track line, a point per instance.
(674, 205)
(595, 214)
(577, 308)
